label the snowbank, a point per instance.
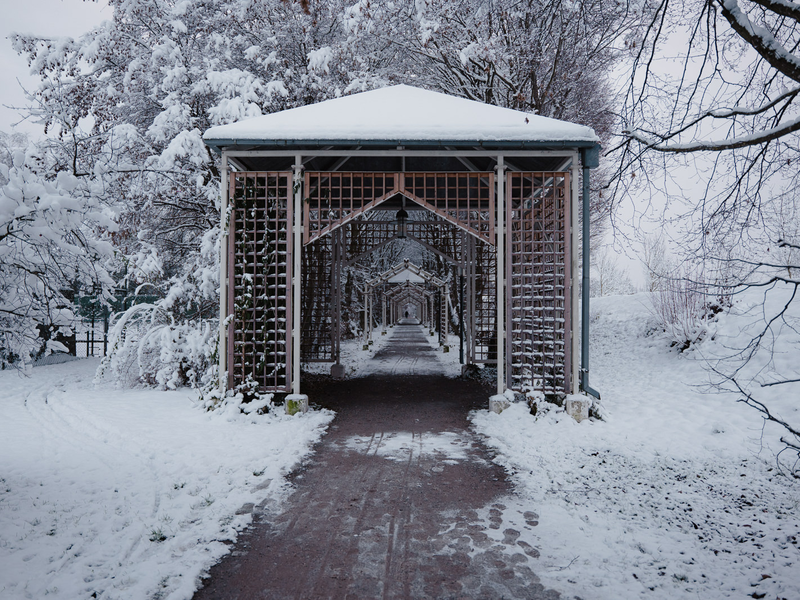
(128, 494)
(676, 495)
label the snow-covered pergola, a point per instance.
(501, 185)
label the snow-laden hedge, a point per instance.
(172, 342)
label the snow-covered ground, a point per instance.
(676, 494)
(359, 362)
(108, 493)
(134, 493)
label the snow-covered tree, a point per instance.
(53, 241)
(128, 102)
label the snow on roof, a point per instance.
(400, 113)
(406, 275)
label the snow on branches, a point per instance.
(716, 81)
(53, 240)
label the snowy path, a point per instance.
(407, 351)
(401, 501)
(127, 493)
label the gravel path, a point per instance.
(401, 500)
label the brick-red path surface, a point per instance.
(401, 500)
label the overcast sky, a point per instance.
(52, 18)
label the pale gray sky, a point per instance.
(52, 18)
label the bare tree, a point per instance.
(731, 97)
(608, 277)
(758, 372)
(655, 261)
(728, 103)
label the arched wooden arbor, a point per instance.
(309, 192)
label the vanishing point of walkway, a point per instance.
(401, 500)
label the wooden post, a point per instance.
(222, 349)
(296, 250)
(500, 294)
(573, 253)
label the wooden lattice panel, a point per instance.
(466, 199)
(335, 198)
(484, 303)
(316, 341)
(538, 281)
(260, 274)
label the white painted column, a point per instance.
(383, 316)
(574, 285)
(296, 271)
(223, 276)
(501, 288)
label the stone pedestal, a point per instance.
(337, 371)
(498, 403)
(577, 407)
(296, 403)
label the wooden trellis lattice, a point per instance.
(538, 281)
(463, 198)
(260, 275)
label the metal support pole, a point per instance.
(585, 291)
(501, 297)
(222, 349)
(296, 270)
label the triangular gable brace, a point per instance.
(398, 188)
(406, 265)
(407, 288)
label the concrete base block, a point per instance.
(337, 371)
(498, 403)
(577, 408)
(296, 403)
